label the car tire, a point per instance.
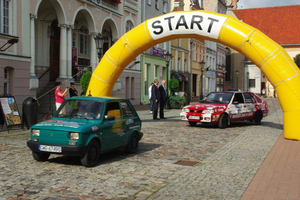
(91, 157)
(133, 144)
(257, 118)
(40, 156)
(192, 123)
(223, 121)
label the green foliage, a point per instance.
(173, 85)
(297, 60)
(176, 101)
(85, 80)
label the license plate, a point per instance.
(54, 149)
(194, 117)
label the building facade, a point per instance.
(153, 63)
(56, 41)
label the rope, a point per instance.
(81, 71)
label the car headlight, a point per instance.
(208, 111)
(185, 110)
(74, 136)
(35, 132)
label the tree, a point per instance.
(297, 60)
(85, 81)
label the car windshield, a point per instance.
(217, 97)
(80, 109)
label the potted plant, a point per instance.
(175, 101)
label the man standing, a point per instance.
(163, 99)
(151, 102)
(155, 98)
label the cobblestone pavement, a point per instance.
(226, 161)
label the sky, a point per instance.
(243, 4)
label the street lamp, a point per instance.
(224, 72)
(99, 39)
(168, 57)
(237, 78)
(202, 65)
(247, 81)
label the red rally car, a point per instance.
(224, 107)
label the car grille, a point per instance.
(196, 111)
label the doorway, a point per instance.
(54, 50)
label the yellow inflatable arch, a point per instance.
(270, 57)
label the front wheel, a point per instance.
(40, 156)
(133, 144)
(223, 121)
(257, 118)
(92, 154)
(192, 123)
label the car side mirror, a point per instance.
(109, 117)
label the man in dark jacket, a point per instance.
(163, 99)
(155, 98)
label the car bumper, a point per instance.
(183, 116)
(65, 149)
(203, 118)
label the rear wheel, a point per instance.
(133, 144)
(257, 118)
(40, 156)
(92, 154)
(192, 123)
(223, 121)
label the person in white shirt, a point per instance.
(151, 101)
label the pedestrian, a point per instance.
(263, 92)
(59, 95)
(72, 90)
(151, 102)
(163, 99)
(155, 98)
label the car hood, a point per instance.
(203, 106)
(65, 125)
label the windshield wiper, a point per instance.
(81, 116)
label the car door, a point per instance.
(113, 130)
(249, 105)
(131, 121)
(237, 107)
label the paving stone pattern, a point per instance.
(227, 161)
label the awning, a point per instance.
(176, 76)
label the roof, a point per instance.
(103, 98)
(282, 23)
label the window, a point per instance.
(127, 111)
(179, 42)
(129, 26)
(178, 64)
(238, 97)
(184, 65)
(4, 16)
(83, 40)
(165, 5)
(132, 88)
(6, 81)
(113, 109)
(252, 83)
(156, 4)
(248, 98)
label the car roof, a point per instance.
(98, 98)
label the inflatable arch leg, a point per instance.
(270, 57)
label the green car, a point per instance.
(86, 127)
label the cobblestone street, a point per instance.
(225, 161)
